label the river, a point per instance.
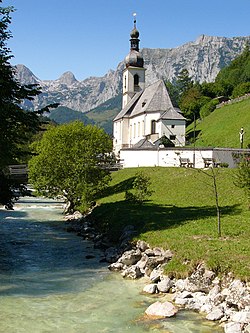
(53, 281)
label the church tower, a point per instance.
(134, 72)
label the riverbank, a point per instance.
(181, 216)
(219, 299)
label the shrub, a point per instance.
(241, 89)
(208, 108)
(141, 189)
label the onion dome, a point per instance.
(134, 58)
(134, 33)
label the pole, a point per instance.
(194, 141)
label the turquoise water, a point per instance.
(48, 285)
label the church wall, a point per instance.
(174, 127)
(128, 83)
(171, 157)
(121, 135)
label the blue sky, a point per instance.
(89, 37)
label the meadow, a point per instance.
(181, 216)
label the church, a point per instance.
(148, 118)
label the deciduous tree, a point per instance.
(72, 161)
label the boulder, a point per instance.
(156, 274)
(132, 272)
(142, 246)
(232, 328)
(150, 288)
(161, 310)
(116, 267)
(215, 314)
(142, 263)
(247, 329)
(241, 317)
(130, 257)
(164, 285)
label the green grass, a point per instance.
(221, 128)
(181, 216)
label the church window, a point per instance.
(172, 126)
(136, 80)
(172, 137)
(153, 127)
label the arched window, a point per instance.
(153, 127)
(136, 80)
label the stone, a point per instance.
(161, 310)
(241, 317)
(142, 246)
(150, 288)
(215, 314)
(164, 285)
(132, 272)
(130, 257)
(142, 262)
(180, 285)
(232, 328)
(111, 254)
(116, 266)
(247, 329)
(156, 274)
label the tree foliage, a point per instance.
(242, 177)
(17, 126)
(72, 160)
(236, 73)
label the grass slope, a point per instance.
(181, 216)
(221, 128)
(62, 115)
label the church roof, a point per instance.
(173, 113)
(154, 98)
(126, 111)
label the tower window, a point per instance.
(153, 127)
(172, 137)
(172, 126)
(136, 80)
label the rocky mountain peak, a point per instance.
(25, 76)
(67, 78)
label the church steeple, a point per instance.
(134, 41)
(134, 58)
(134, 72)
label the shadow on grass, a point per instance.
(113, 217)
(192, 134)
(118, 188)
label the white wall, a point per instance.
(179, 129)
(163, 157)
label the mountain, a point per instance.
(203, 58)
(62, 115)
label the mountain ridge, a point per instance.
(203, 58)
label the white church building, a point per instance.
(147, 113)
(149, 131)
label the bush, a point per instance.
(141, 189)
(241, 89)
(208, 108)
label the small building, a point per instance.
(147, 112)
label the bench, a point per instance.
(186, 163)
(210, 162)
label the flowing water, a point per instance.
(53, 281)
